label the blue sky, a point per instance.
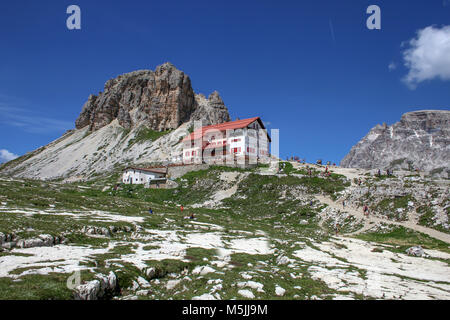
(309, 68)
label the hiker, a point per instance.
(379, 172)
(311, 203)
(326, 169)
(343, 204)
(336, 228)
(192, 216)
(150, 211)
(359, 181)
(181, 208)
(366, 210)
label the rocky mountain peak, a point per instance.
(215, 98)
(420, 140)
(161, 99)
(427, 120)
(211, 110)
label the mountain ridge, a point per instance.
(420, 140)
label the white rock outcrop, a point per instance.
(96, 289)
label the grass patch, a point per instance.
(146, 134)
(36, 287)
(404, 238)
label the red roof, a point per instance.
(232, 125)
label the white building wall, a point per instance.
(253, 144)
(237, 143)
(188, 155)
(139, 177)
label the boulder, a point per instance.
(202, 270)
(279, 291)
(43, 240)
(9, 245)
(30, 243)
(98, 288)
(47, 239)
(282, 260)
(88, 291)
(150, 273)
(416, 251)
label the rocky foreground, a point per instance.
(256, 235)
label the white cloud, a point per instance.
(6, 156)
(428, 56)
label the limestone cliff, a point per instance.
(162, 99)
(420, 140)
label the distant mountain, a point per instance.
(420, 140)
(140, 117)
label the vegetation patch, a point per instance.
(146, 134)
(36, 287)
(403, 238)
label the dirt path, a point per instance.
(370, 221)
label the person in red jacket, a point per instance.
(366, 210)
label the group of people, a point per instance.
(388, 172)
(191, 216)
(336, 225)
